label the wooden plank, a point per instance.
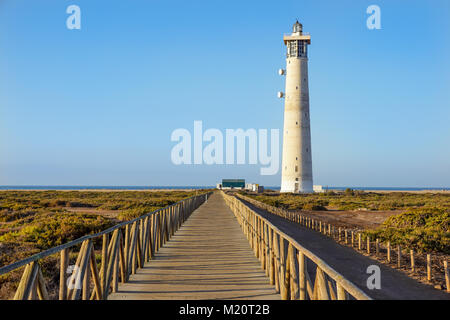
(209, 257)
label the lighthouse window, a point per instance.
(296, 168)
(296, 179)
(292, 49)
(306, 149)
(296, 122)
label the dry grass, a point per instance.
(32, 221)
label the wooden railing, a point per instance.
(288, 264)
(371, 247)
(124, 248)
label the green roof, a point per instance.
(233, 183)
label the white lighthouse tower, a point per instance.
(296, 171)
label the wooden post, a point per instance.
(341, 295)
(266, 249)
(353, 239)
(346, 236)
(97, 292)
(115, 243)
(359, 241)
(127, 248)
(429, 267)
(40, 286)
(447, 276)
(271, 259)
(62, 274)
(284, 283)
(339, 234)
(27, 281)
(368, 245)
(399, 256)
(115, 280)
(104, 261)
(82, 273)
(321, 285)
(277, 261)
(262, 245)
(87, 282)
(302, 275)
(413, 265)
(377, 246)
(388, 247)
(74, 278)
(293, 273)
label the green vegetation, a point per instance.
(51, 230)
(422, 229)
(423, 222)
(32, 221)
(353, 200)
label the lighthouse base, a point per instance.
(297, 187)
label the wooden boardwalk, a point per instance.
(208, 258)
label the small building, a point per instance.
(233, 184)
(318, 188)
(254, 187)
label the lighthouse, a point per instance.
(296, 171)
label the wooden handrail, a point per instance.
(284, 259)
(356, 243)
(126, 246)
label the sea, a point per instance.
(35, 187)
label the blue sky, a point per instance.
(97, 106)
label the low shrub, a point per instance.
(425, 229)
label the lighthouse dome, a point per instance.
(297, 28)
